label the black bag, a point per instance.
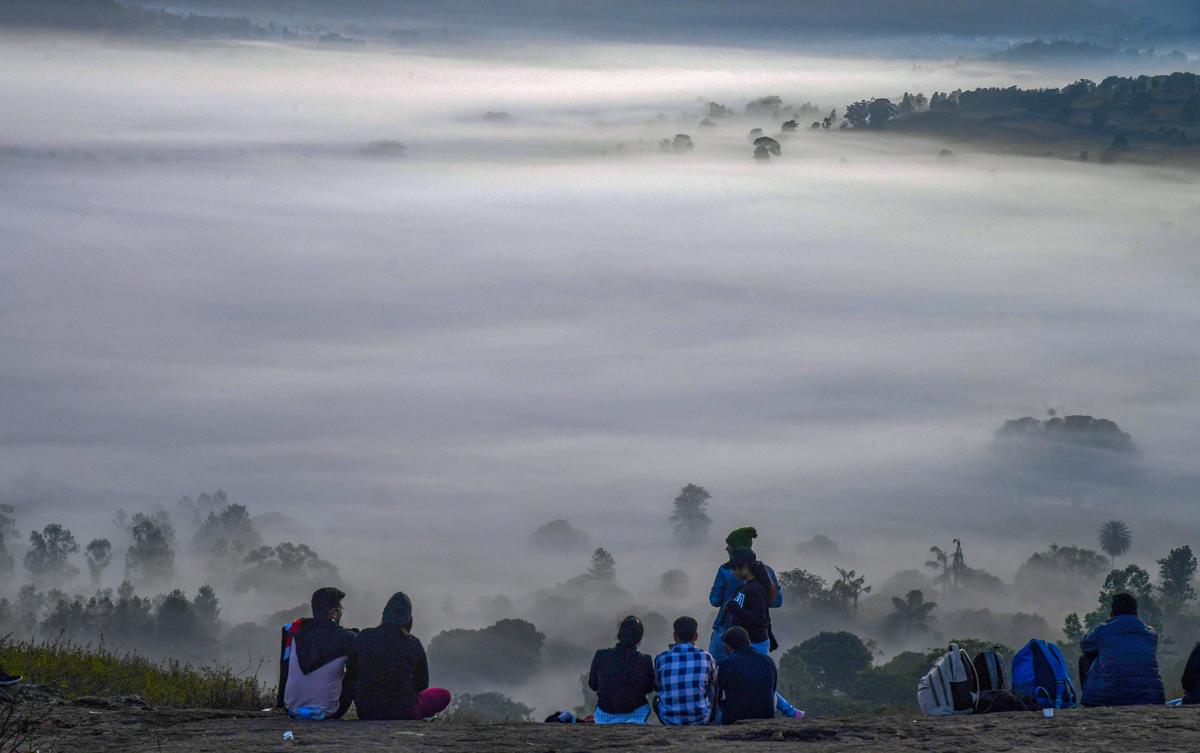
(992, 669)
(1003, 701)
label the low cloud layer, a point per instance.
(205, 283)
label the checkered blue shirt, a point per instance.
(685, 678)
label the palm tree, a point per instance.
(1115, 539)
(849, 585)
(909, 614)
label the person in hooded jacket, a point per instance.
(314, 677)
(622, 678)
(725, 586)
(749, 608)
(1124, 659)
(392, 669)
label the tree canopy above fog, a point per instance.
(1085, 431)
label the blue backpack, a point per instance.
(1039, 670)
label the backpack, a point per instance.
(1040, 670)
(951, 687)
(992, 670)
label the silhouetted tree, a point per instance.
(802, 587)
(603, 566)
(765, 146)
(849, 586)
(909, 615)
(151, 556)
(558, 536)
(674, 584)
(1115, 539)
(98, 554)
(1176, 572)
(858, 114)
(790, 126)
(508, 653)
(1132, 580)
(8, 532)
(880, 111)
(48, 558)
(689, 517)
(833, 659)
(228, 530)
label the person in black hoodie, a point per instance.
(749, 607)
(1191, 678)
(392, 669)
(746, 680)
(622, 678)
(313, 673)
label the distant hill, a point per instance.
(1152, 119)
(118, 18)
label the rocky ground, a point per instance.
(126, 725)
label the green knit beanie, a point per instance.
(742, 538)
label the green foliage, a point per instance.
(801, 586)
(95, 670)
(49, 554)
(1176, 572)
(485, 708)
(1132, 580)
(1073, 628)
(507, 653)
(832, 659)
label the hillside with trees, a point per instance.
(1149, 119)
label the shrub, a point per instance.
(479, 708)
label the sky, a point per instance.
(206, 282)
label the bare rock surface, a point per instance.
(125, 726)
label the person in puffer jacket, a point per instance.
(1124, 667)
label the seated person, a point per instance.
(1124, 662)
(313, 677)
(685, 678)
(745, 680)
(622, 677)
(1191, 678)
(392, 670)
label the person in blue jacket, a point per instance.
(1123, 654)
(725, 587)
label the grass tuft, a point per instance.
(77, 670)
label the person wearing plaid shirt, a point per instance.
(685, 678)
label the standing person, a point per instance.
(746, 680)
(622, 677)
(315, 681)
(1123, 669)
(393, 671)
(726, 585)
(685, 677)
(749, 608)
